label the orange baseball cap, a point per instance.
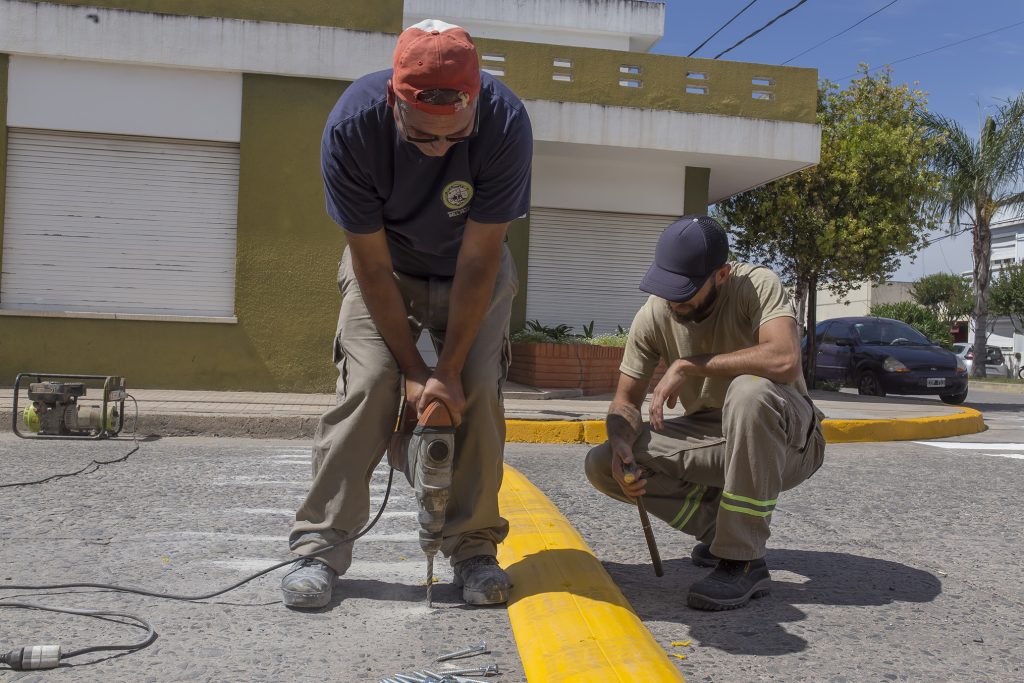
(435, 55)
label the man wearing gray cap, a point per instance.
(727, 334)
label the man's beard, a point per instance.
(701, 312)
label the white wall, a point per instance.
(570, 177)
(42, 29)
(60, 94)
(609, 24)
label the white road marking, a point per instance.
(973, 445)
(998, 450)
(290, 513)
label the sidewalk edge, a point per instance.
(571, 622)
(967, 421)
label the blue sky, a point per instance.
(962, 82)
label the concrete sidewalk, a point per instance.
(534, 415)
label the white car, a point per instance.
(995, 364)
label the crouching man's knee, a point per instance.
(749, 394)
(598, 466)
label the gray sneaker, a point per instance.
(308, 584)
(482, 581)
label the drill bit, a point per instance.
(430, 580)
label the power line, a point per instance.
(721, 27)
(848, 28)
(745, 39)
(941, 47)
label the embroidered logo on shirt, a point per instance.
(457, 195)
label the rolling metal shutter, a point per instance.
(117, 224)
(586, 265)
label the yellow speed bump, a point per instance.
(570, 620)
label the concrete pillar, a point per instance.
(695, 189)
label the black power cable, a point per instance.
(95, 464)
(941, 47)
(48, 656)
(692, 52)
(206, 596)
(848, 28)
(748, 37)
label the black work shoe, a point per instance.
(308, 584)
(702, 557)
(482, 581)
(731, 585)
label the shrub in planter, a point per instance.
(554, 358)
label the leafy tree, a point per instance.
(853, 216)
(1006, 295)
(946, 295)
(920, 318)
(980, 178)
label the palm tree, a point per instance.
(981, 178)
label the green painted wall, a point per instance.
(596, 74)
(696, 184)
(286, 294)
(4, 61)
(363, 15)
(519, 245)
(288, 248)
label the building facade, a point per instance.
(162, 210)
(1007, 249)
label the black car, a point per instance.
(882, 356)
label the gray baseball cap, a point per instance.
(688, 252)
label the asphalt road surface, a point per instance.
(895, 562)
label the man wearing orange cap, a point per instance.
(424, 166)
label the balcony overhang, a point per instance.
(64, 31)
(632, 25)
(742, 153)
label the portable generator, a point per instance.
(55, 411)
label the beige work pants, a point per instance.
(351, 438)
(717, 474)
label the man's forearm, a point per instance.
(623, 423)
(471, 294)
(760, 360)
(384, 302)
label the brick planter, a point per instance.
(592, 369)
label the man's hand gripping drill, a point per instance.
(424, 450)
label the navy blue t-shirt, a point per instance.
(373, 178)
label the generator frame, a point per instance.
(111, 383)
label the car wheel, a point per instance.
(868, 384)
(954, 399)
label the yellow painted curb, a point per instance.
(967, 421)
(570, 620)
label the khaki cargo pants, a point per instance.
(351, 438)
(717, 474)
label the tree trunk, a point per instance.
(812, 322)
(800, 302)
(982, 274)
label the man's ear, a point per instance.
(391, 95)
(723, 274)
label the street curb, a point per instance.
(967, 421)
(571, 622)
(1000, 387)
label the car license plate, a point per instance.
(936, 381)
